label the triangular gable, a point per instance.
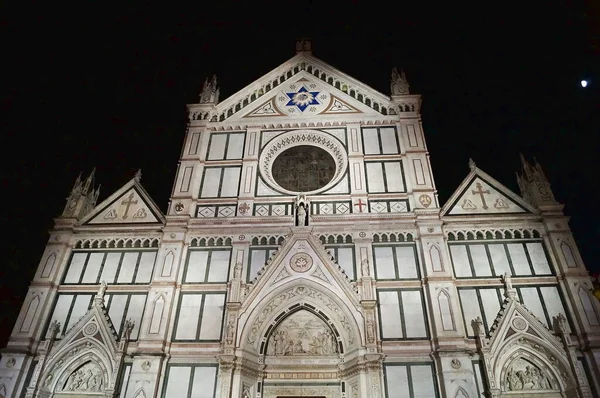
(131, 204)
(479, 193)
(520, 344)
(302, 255)
(304, 95)
(89, 346)
(256, 99)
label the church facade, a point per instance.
(304, 253)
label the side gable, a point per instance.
(89, 347)
(521, 346)
(479, 193)
(131, 204)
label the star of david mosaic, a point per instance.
(303, 98)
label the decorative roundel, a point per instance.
(301, 262)
(90, 329)
(303, 97)
(303, 161)
(519, 324)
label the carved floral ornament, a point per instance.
(303, 138)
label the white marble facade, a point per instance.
(305, 253)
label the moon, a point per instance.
(584, 83)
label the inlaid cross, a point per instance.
(360, 205)
(127, 204)
(481, 192)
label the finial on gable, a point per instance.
(399, 84)
(472, 165)
(304, 46)
(82, 198)
(138, 175)
(210, 91)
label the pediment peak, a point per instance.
(301, 255)
(514, 318)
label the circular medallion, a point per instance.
(11, 362)
(301, 262)
(90, 329)
(455, 363)
(303, 161)
(425, 200)
(362, 234)
(519, 324)
(303, 168)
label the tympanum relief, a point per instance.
(302, 334)
(87, 378)
(523, 375)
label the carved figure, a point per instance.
(477, 325)
(364, 266)
(370, 330)
(88, 378)
(230, 329)
(246, 393)
(302, 334)
(507, 281)
(301, 215)
(237, 270)
(399, 84)
(102, 289)
(524, 376)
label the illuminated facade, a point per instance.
(305, 253)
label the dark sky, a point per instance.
(106, 86)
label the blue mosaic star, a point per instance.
(303, 98)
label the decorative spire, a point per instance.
(138, 175)
(303, 46)
(533, 183)
(472, 165)
(210, 92)
(82, 198)
(399, 84)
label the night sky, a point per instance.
(105, 86)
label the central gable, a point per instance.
(273, 95)
(304, 96)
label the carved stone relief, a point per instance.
(302, 333)
(88, 378)
(295, 293)
(523, 375)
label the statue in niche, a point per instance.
(246, 392)
(370, 329)
(87, 378)
(522, 375)
(365, 267)
(399, 84)
(301, 211)
(230, 329)
(302, 334)
(237, 270)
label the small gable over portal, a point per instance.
(129, 205)
(86, 361)
(479, 193)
